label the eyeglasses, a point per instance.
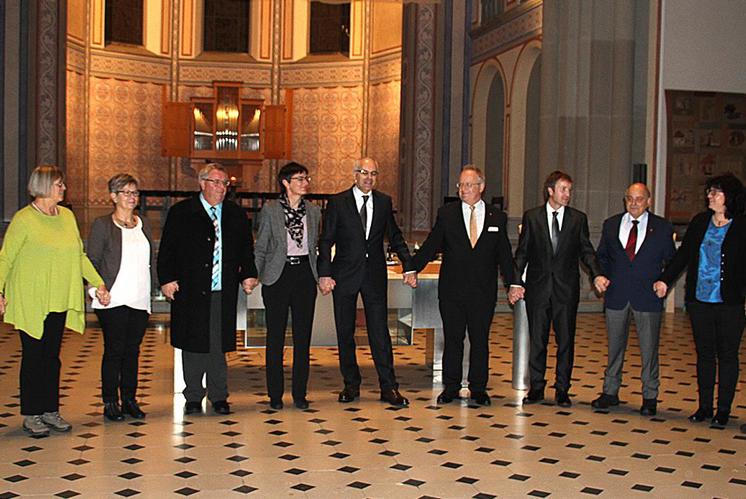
(712, 191)
(467, 185)
(365, 173)
(216, 181)
(59, 183)
(302, 178)
(129, 194)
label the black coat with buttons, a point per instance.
(185, 255)
(732, 259)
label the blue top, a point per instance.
(216, 214)
(710, 261)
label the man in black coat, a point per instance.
(634, 248)
(357, 221)
(553, 240)
(474, 241)
(206, 251)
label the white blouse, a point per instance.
(132, 285)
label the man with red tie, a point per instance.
(634, 248)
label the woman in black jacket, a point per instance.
(713, 252)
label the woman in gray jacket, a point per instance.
(120, 246)
(285, 255)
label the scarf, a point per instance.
(294, 219)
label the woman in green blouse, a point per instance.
(42, 267)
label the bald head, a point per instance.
(637, 199)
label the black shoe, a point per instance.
(276, 404)
(393, 397)
(221, 407)
(192, 408)
(480, 398)
(112, 412)
(533, 397)
(605, 401)
(649, 407)
(743, 428)
(301, 403)
(447, 397)
(348, 394)
(562, 398)
(130, 407)
(721, 419)
(702, 414)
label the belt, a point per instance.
(296, 260)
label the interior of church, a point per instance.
(611, 92)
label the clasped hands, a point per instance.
(102, 295)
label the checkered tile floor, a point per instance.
(367, 449)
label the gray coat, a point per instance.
(105, 248)
(271, 248)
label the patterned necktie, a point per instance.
(473, 226)
(364, 215)
(555, 232)
(632, 241)
(215, 284)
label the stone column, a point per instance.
(588, 75)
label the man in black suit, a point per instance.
(474, 242)
(635, 247)
(206, 251)
(356, 221)
(554, 238)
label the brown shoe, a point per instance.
(393, 397)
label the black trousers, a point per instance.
(376, 315)
(213, 364)
(295, 290)
(717, 330)
(541, 316)
(40, 367)
(458, 316)
(123, 329)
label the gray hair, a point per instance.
(358, 164)
(42, 178)
(205, 170)
(475, 169)
(120, 181)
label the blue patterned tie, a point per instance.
(215, 250)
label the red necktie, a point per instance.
(632, 241)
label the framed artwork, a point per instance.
(706, 137)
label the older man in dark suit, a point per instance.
(553, 240)
(474, 242)
(635, 247)
(206, 251)
(357, 220)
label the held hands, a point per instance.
(601, 284)
(515, 293)
(170, 289)
(660, 288)
(410, 279)
(102, 295)
(326, 285)
(249, 284)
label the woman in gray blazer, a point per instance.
(285, 255)
(120, 247)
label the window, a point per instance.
(226, 26)
(330, 28)
(491, 9)
(123, 21)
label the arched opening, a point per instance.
(531, 191)
(522, 178)
(495, 133)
